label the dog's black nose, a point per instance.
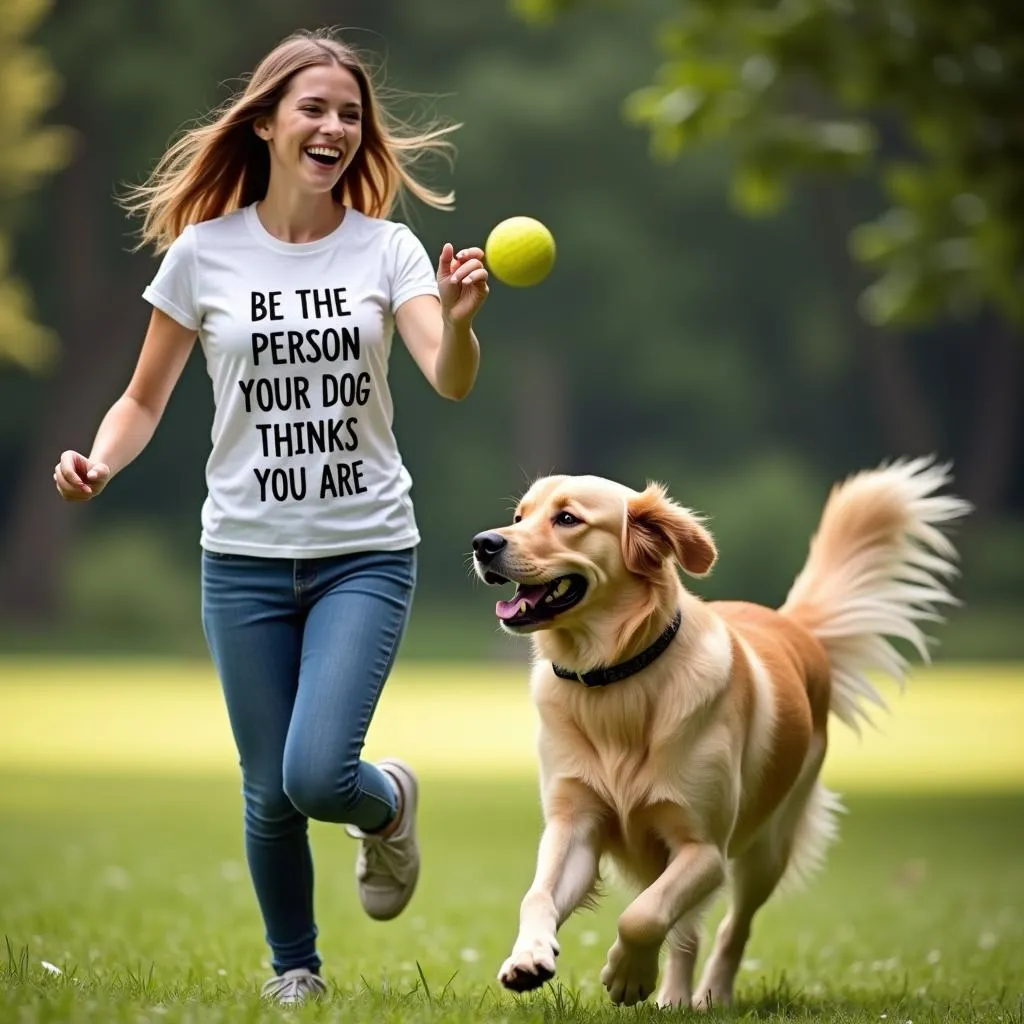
(486, 545)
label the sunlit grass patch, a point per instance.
(956, 728)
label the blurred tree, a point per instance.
(29, 152)
(925, 92)
(923, 95)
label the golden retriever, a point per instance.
(683, 739)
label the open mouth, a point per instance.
(533, 603)
(326, 156)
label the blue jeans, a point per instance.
(303, 648)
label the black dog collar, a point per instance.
(604, 676)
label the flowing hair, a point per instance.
(222, 164)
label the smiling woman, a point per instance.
(313, 102)
(280, 254)
(313, 136)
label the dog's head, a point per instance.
(581, 546)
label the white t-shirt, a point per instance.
(297, 338)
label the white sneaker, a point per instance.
(294, 986)
(388, 867)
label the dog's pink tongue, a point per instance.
(530, 595)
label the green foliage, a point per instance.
(29, 152)
(762, 519)
(127, 580)
(923, 94)
(163, 66)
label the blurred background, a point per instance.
(789, 247)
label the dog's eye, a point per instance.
(517, 518)
(565, 518)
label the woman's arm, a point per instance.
(439, 336)
(132, 420)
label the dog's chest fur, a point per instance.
(642, 744)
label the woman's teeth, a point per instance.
(324, 154)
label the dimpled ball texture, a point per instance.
(520, 252)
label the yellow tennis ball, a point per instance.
(520, 252)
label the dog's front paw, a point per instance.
(531, 964)
(631, 972)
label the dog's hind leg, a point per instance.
(754, 878)
(677, 976)
(793, 843)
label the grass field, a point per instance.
(121, 862)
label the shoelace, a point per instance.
(383, 857)
(292, 988)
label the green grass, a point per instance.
(127, 873)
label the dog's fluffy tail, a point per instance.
(879, 566)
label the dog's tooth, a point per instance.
(522, 607)
(561, 588)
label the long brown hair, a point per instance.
(221, 165)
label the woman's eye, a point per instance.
(565, 518)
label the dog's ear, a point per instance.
(657, 528)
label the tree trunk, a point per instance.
(543, 434)
(103, 320)
(907, 422)
(991, 459)
(901, 403)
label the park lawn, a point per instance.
(121, 862)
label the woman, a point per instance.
(280, 257)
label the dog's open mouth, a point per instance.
(538, 602)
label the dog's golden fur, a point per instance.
(705, 764)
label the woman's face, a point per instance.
(316, 129)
